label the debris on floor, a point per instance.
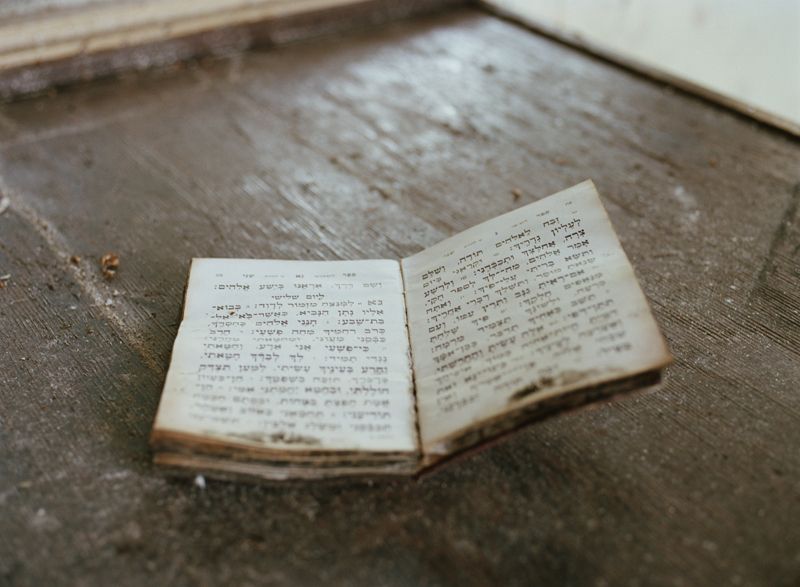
(109, 264)
(75, 259)
(4, 280)
(5, 202)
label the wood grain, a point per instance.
(43, 46)
(377, 146)
(54, 34)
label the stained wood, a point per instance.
(377, 146)
(46, 45)
(60, 32)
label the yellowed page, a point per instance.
(293, 355)
(530, 304)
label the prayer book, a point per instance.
(304, 370)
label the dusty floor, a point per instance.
(370, 147)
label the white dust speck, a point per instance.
(688, 202)
(5, 202)
(109, 302)
(729, 300)
(115, 475)
(200, 482)
(41, 520)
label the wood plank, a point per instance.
(47, 45)
(376, 146)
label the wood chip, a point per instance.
(109, 264)
(74, 259)
(517, 193)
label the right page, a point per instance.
(532, 304)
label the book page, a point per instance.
(293, 355)
(527, 305)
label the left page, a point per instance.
(292, 356)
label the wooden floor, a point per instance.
(369, 147)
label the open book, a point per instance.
(317, 369)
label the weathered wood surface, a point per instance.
(376, 146)
(52, 44)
